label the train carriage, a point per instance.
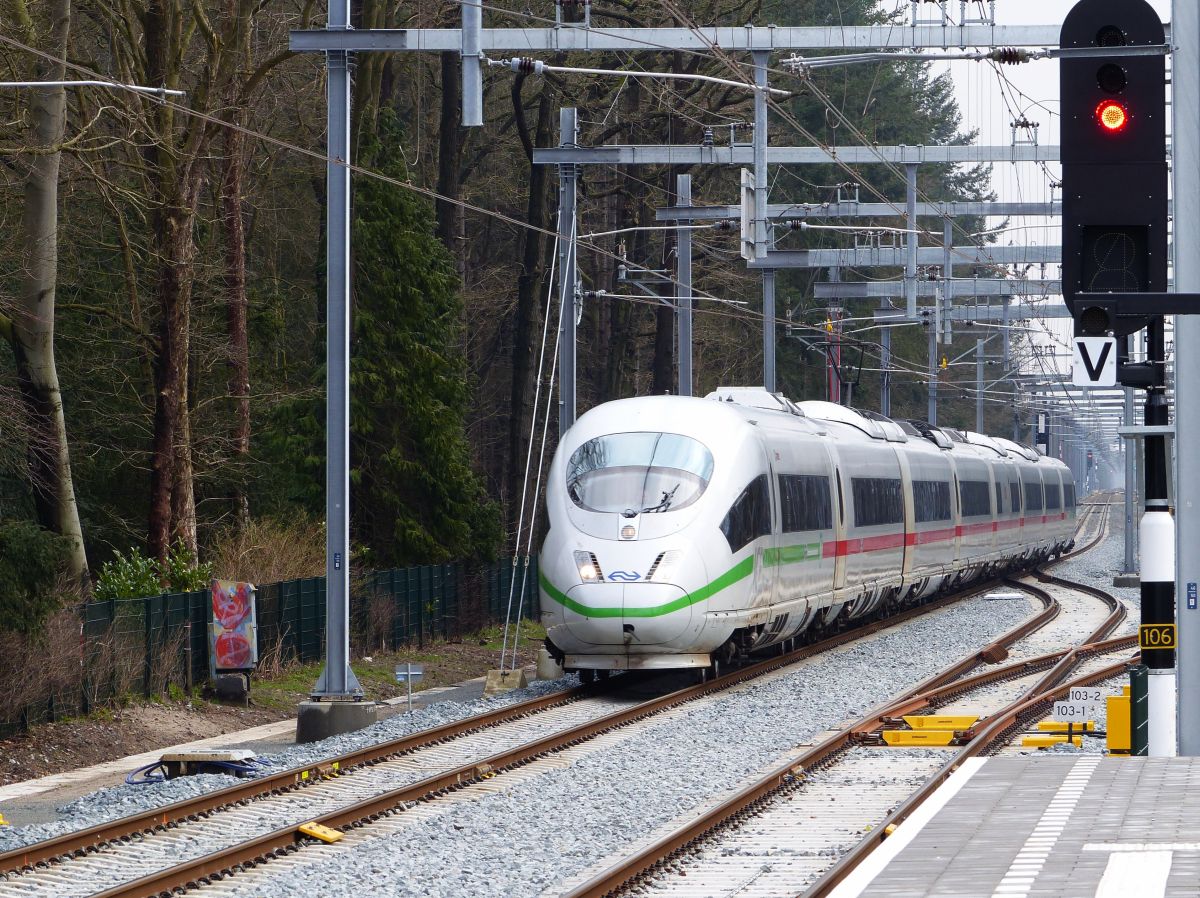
(685, 531)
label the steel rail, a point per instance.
(87, 841)
(992, 735)
(629, 869)
(288, 838)
(941, 687)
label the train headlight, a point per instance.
(589, 567)
(664, 566)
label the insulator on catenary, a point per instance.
(1009, 55)
(527, 65)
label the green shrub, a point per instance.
(135, 575)
(30, 561)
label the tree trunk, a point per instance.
(450, 222)
(236, 301)
(172, 500)
(33, 322)
(236, 309)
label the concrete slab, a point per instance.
(1062, 826)
(320, 720)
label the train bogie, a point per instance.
(685, 530)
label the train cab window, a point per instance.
(975, 498)
(1033, 496)
(877, 500)
(805, 503)
(1068, 495)
(750, 516)
(638, 473)
(1053, 497)
(931, 500)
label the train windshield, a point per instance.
(638, 473)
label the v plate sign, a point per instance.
(1095, 363)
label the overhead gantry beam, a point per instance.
(986, 312)
(850, 209)
(743, 154)
(751, 38)
(955, 289)
(894, 256)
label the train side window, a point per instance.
(999, 498)
(1033, 496)
(1014, 495)
(1053, 497)
(1069, 495)
(750, 516)
(931, 500)
(877, 500)
(805, 502)
(975, 498)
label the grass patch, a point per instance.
(445, 663)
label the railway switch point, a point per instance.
(320, 720)
(502, 681)
(994, 653)
(192, 763)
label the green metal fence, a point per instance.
(144, 645)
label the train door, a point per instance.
(910, 544)
(840, 525)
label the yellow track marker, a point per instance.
(1058, 726)
(1047, 741)
(943, 722)
(918, 737)
(320, 831)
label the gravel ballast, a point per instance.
(124, 801)
(524, 840)
(532, 836)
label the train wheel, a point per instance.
(586, 676)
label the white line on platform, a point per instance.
(862, 875)
(1135, 874)
(1045, 834)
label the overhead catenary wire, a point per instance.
(529, 453)
(432, 194)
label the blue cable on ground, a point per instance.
(145, 775)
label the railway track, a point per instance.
(811, 820)
(369, 787)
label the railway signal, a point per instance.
(1113, 162)
(1112, 78)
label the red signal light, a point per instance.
(1113, 117)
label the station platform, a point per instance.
(1086, 826)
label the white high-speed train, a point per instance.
(685, 531)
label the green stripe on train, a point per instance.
(739, 571)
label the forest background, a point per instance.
(162, 292)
